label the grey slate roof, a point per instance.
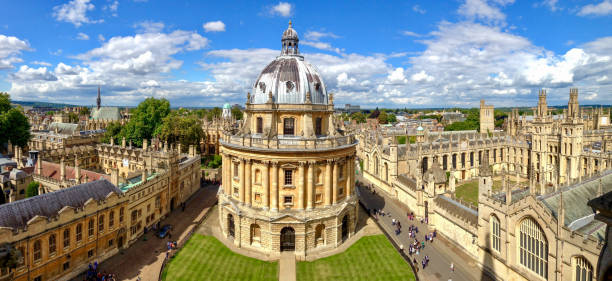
(575, 198)
(64, 128)
(18, 213)
(106, 113)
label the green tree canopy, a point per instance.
(184, 129)
(145, 120)
(32, 189)
(236, 113)
(391, 118)
(113, 130)
(358, 116)
(213, 113)
(14, 125)
(73, 117)
(382, 117)
(85, 111)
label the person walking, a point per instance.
(452, 267)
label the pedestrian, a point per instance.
(452, 267)
(402, 248)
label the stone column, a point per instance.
(328, 182)
(335, 183)
(247, 181)
(349, 175)
(266, 185)
(310, 192)
(242, 181)
(227, 178)
(301, 186)
(274, 187)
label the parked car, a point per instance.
(163, 231)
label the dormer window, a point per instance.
(289, 86)
(262, 86)
(317, 86)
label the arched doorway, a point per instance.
(345, 225)
(287, 239)
(172, 204)
(320, 235)
(230, 226)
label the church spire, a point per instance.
(98, 100)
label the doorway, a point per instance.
(287, 239)
(345, 226)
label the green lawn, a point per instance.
(370, 258)
(205, 258)
(469, 191)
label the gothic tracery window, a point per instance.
(533, 248)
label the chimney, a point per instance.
(77, 170)
(40, 188)
(123, 142)
(62, 170)
(115, 177)
(179, 148)
(86, 180)
(144, 175)
(39, 168)
(145, 144)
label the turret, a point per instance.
(62, 170)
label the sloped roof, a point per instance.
(106, 113)
(575, 198)
(18, 213)
(53, 170)
(64, 128)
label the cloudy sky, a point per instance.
(373, 53)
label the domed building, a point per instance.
(288, 171)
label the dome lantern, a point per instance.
(290, 42)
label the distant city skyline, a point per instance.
(416, 54)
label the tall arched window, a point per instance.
(79, 232)
(495, 234)
(37, 250)
(52, 244)
(66, 237)
(533, 248)
(101, 223)
(259, 125)
(255, 234)
(90, 227)
(318, 126)
(288, 126)
(583, 270)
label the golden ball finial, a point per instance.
(289, 23)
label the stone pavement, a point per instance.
(145, 258)
(286, 271)
(441, 252)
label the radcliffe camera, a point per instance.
(149, 140)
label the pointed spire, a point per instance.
(99, 99)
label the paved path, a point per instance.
(441, 253)
(286, 266)
(145, 258)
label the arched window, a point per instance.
(257, 176)
(583, 270)
(318, 126)
(79, 232)
(495, 234)
(66, 237)
(101, 223)
(259, 125)
(52, 244)
(255, 234)
(111, 219)
(288, 126)
(90, 227)
(37, 250)
(533, 248)
(320, 235)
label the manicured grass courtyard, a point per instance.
(206, 258)
(371, 258)
(469, 191)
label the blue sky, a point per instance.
(372, 53)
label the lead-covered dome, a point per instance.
(288, 78)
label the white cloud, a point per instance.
(214, 26)
(82, 36)
(112, 7)
(101, 38)
(551, 4)
(410, 33)
(10, 49)
(282, 9)
(74, 12)
(26, 73)
(480, 9)
(604, 8)
(317, 35)
(418, 9)
(322, 46)
(397, 76)
(149, 26)
(43, 63)
(421, 76)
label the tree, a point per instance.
(145, 120)
(237, 113)
(374, 113)
(84, 111)
(382, 117)
(359, 117)
(14, 127)
(73, 117)
(391, 118)
(183, 129)
(213, 113)
(5, 102)
(32, 189)
(113, 130)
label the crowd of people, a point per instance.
(94, 275)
